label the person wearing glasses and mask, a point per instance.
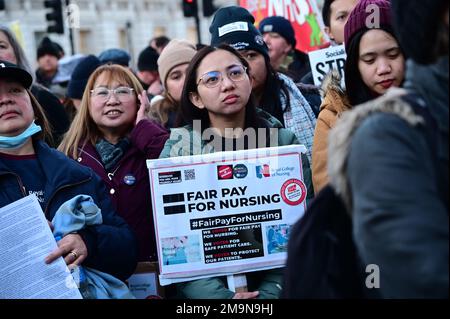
(29, 166)
(112, 135)
(217, 94)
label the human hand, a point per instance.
(72, 248)
(246, 295)
(144, 107)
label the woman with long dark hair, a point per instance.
(374, 63)
(274, 92)
(218, 104)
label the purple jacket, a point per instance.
(128, 183)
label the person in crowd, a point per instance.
(274, 92)
(279, 36)
(172, 65)
(115, 56)
(77, 83)
(390, 162)
(159, 43)
(48, 56)
(375, 63)
(217, 92)
(29, 166)
(11, 51)
(147, 73)
(335, 14)
(112, 135)
(66, 66)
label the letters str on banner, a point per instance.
(227, 212)
(325, 60)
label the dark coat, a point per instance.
(395, 180)
(54, 111)
(111, 245)
(132, 198)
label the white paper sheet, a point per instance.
(25, 241)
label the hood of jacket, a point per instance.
(431, 82)
(341, 135)
(57, 168)
(333, 94)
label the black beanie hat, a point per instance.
(48, 47)
(234, 26)
(148, 60)
(416, 23)
(80, 76)
(279, 25)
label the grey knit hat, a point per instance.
(175, 53)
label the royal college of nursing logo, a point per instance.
(262, 171)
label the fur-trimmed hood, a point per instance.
(341, 135)
(333, 94)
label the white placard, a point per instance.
(225, 213)
(323, 61)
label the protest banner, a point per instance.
(303, 14)
(325, 60)
(217, 215)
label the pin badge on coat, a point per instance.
(129, 179)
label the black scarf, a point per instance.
(111, 154)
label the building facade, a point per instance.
(101, 24)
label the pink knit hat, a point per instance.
(365, 15)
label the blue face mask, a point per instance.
(11, 142)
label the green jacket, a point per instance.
(186, 141)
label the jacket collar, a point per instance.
(431, 82)
(58, 169)
(333, 94)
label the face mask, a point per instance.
(10, 142)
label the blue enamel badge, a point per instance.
(129, 179)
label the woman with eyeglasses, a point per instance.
(112, 135)
(218, 104)
(29, 166)
(274, 92)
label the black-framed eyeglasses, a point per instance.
(212, 79)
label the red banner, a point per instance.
(303, 15)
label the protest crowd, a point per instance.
(372, 214)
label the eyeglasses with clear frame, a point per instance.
(122, 93)
(212, 79)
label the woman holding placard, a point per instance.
(217, 94)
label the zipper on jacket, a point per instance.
(19, 181)
(60, 188)
(111, 174)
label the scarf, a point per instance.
(111, 154)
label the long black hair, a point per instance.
(273, 88)
(357, 91)
(189, 112)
